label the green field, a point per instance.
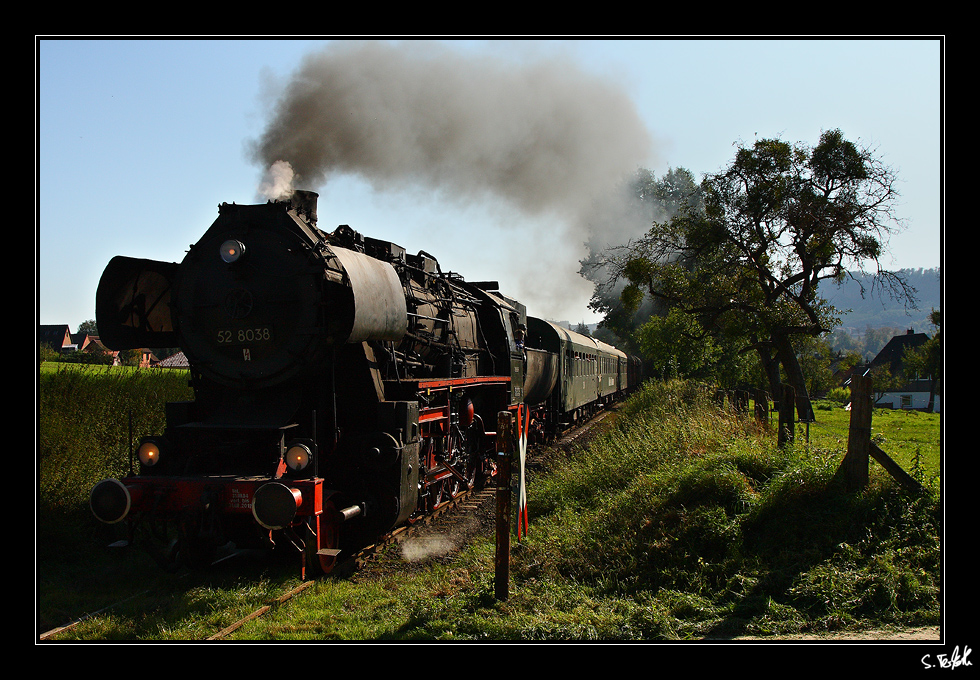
(910, 438)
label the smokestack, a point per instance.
(304, 203)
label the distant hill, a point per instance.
(877, 310)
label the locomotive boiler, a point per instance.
(342, 386)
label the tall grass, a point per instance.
(83, 435)
(694, 509)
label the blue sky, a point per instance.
(138, 141)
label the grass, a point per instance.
(86, 418)
(679, 522)
(910, 438)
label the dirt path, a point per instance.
(923, 634)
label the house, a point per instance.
(914, 393)
(93, 344)
(57, 337)
(146, 360)
(60, 338)
(83, 340)
(177, 360)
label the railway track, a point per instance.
(459, 505)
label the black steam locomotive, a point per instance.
(342, 386)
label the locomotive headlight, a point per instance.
(299, 455)
(149, 452)
(232, 250)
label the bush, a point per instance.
(96, 357)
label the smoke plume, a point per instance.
(542, 136)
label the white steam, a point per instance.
(277, 183)
(422, 548)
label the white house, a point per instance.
(914, 394)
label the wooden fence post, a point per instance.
(740, 401)
(787, 423)
(501, 581)
(855, 464)
(860, 449)
(762, 407)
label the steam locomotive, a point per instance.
(342, 387)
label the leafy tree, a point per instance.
(848, 359)
(816, 357)
(777, 221)
(842, 341)
(46, 353)
(883, 380)
(677, 347)
(130, 357)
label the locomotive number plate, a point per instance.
(244, 336)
